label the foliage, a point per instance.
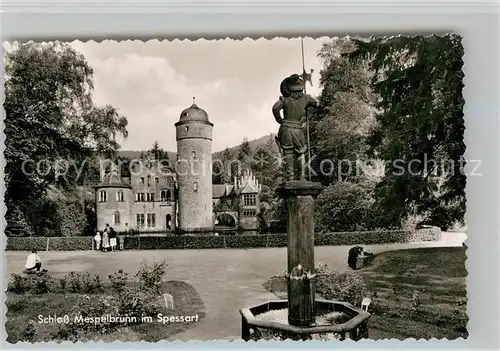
(174, 242)
(344, 206)
(420, 126)
(344, 116)
(119, 280)
(50, 117)
(151, 276)
(341, 286)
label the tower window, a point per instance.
(119, 196)
(103, 196)
(166, 195)
(249, 199)
(193, 154)
(195, 186)
(116, 218)
(186, 128)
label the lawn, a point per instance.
(65, 302)
(416, 293)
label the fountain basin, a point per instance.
(351, 322)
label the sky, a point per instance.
(236, 82)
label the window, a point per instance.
(186, 128)
(150, 197)
(166, 195)
(149, 180)
(151, 220)
(195, 186)
(249, 199)
(157, 180)
(193, 154)
(119, 196)
(142, 180)
(103, 196)
(139, 218)
(116, 218)
(139, 197)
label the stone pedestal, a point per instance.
(299, 197)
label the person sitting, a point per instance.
(33, 262)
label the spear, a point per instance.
(306, 77)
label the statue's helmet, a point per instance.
(295, 83)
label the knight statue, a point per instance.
(297, 108)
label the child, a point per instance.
(97, 239)
(33, 262)
(121, 240)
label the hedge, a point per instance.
(174, 242)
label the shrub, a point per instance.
(151, 276)
(42, 284)
(18, 284)
(89, 306)
(136, 302)
(91, 282)
(341, 286)
(73, 282)
(36, 284)
(118, 280)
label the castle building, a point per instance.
(157, 198)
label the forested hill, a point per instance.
(254, 146)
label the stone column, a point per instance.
(299, 197)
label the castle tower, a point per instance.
(113, 199)
(194, 170)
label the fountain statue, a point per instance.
(301, 307)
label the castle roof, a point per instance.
(247, 184)
(194, 113)
(221, 190)
(113, 180)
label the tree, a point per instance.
(51, 122)
(420, 127)
(344, 116)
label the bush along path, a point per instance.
(83, 307)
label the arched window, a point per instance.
(166, 195)
(119, 196)
(103, 196)
(116, 218)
